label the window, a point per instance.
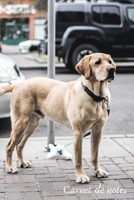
(108, 15)
(130, 12)
(69, 14)
(97, 14)
(39, 25)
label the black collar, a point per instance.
(94, 97)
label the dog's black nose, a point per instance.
(111, 72)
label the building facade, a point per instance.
(20, 21)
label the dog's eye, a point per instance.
(98, 62)
(110, 62)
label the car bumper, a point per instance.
(24, 49)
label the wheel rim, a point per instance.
(83, 53)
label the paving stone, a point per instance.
(46, 186)
(44, 165)
(117, 173)
(61, 198)
(1, 187)
(45, 161)
(26, 171)
(126, 165)
(125, 196)
(52, 179)
(109, 162)
(89, 196)
(112, 168)
(61, 185)
(130, 174)
(117, 177)
(2, 195)
(129, 159)
(27, 178)
(12, 185)
(71, 177)
(91, 184)
(50, 176)
(54, 170)
(15, 196)
(65, 162)
(41, 171)
(2, 172)
(1, 179)
(12, 178)
(55, 193)
(32, 196)
(67, 167)
(2, 164)
(130, 190)
(104, 195)
(119, 160)
(127, 168)
(22, 189)
(104, 159)
(112, 183)
(69, 171)
(127, 183)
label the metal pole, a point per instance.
(51, 60)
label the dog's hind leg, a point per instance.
(18, 128)
(33, 123)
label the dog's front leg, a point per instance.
(81, 177)
(95, 141)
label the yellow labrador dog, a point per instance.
(80, 105)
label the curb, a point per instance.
(70, 138)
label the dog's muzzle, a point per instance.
(111, 73)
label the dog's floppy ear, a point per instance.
(83, 67)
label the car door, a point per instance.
(108, 19)
(129, 40)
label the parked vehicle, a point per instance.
(29, 46)
(9, 74)
(83, 28)
(0, 47)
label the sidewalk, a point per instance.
(55, 180)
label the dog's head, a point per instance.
(98, 66)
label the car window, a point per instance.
(130, 12)
(97, 14)
(70, 14)
(108, 15)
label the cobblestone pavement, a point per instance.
(54, 179)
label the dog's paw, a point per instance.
(11, 169)
(101, 173)
(82, 178)
(25, 164)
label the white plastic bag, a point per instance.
(58, 151)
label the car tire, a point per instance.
(80, 51)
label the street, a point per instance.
(121, 116)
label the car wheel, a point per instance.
(82, 50)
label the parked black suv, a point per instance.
(85, 28)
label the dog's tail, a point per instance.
(6, 88)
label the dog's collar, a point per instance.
(95, 97)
